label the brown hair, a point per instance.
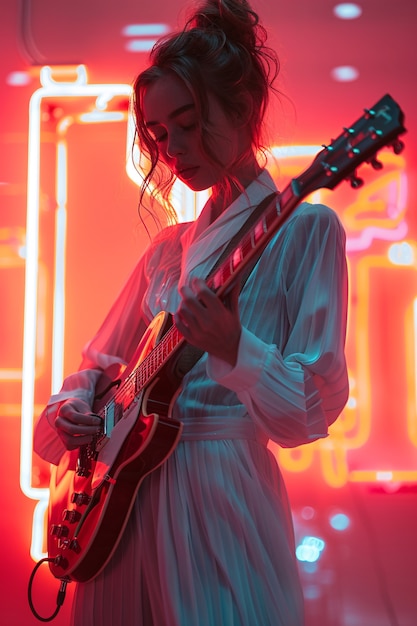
(221, 50)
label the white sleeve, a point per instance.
(115, 342)
(294, 395)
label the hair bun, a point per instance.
(234, 18)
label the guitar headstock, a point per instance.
(380, 126)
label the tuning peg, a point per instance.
(397, 146)
(329, 169)
(369, 112)
(355, 181)
(377, 165)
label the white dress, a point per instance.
(210, 539)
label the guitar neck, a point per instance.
(255, 240)
(359, 143)
(223, 277)
(219, 281)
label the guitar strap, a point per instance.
(233, 243)
(189, 355)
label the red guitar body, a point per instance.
(94, 488)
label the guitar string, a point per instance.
(141, 375)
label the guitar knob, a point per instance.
(75, 546)
(61, 561)
(71, 515)
(80, 498)
(57, 530)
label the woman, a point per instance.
(210, 539)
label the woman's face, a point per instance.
(170, 116)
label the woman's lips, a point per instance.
(186, 173)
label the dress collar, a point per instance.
(203, 242)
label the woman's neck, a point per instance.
(224, 194)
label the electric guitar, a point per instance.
(93, 488)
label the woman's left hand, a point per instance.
(205, 322)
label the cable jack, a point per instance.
(60, 596)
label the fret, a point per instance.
(150, 366)
(258, 232)
(248, 245)
(173, 340)
(246, 248)
(145, 369)
(130, 387)
(220, 276)
(215, 282)
(270, 219)
(287, 196)
(237, 258)
(166, 348)
(129, 394)
(227, 271)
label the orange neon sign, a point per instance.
(381, 343)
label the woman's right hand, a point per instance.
(76, 424)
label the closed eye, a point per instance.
(161, 138)
(189, 126)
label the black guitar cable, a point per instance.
(59, 599)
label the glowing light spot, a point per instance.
(310, 549)
(144, 36)
(401, 254)
(101, 116)
(140, 45)
(145, 30)
(307, 512)
(340, 521)
(344, 73)
(347, 10)
(384, 476)
(18, 79)
(352, 403)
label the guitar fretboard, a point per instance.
(251, 244)
(143, 374)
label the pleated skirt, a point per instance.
(209, 543)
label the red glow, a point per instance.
(367, 468)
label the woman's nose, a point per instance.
(175, 146)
